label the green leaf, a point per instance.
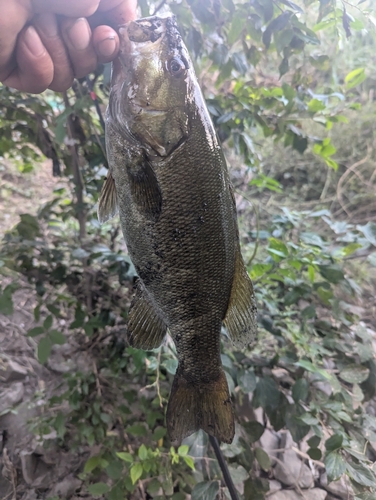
(354, 374)
(335, 466)
(35, 331)
(314, 441)
(314, 453)
(277, 249)
(259, 269)
(190, 462)
(136, 472)
(247, 381)
(92, 463)
(114, 470)
(159, 433)
(137, 430)
(354, 78)
(57, 337)
(315, 105)
(300, 390)
(205, 491)
(277, 24)
(334, 442)
(53, 310)
(183, 450)
(6, 303)
(332, 273)
(44, 350)
(28, 228)
(171, 365)
(98, 489)
(238, 23)
(47, 323)
(369, 231)
(143, 452)
(361, 474)
(263, 459)
(254, 430)
(266, 393)
(123, 455)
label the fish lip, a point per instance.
(147, 29)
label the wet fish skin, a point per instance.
(168, 179)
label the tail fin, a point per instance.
(194, 406)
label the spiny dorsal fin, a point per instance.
(241, 315)
(108, 204)
(146, 329)
(145, 189)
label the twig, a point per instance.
(95, 100)
(257, 226)
(79, 184)
(344, 176)
(223, 465)
(298, 452)
(97, 382)
(158, 7)
(156, 382)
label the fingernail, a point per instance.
(33, 42)
(79, 34)
(107, 46)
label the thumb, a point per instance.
(34, 70)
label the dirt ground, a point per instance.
(29, 470)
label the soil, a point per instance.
(30, 471)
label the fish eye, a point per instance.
(176, 67)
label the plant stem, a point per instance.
(223, 465)
(78, 181)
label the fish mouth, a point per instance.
(149, 29)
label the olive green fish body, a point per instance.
(169, 179)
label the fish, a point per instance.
(169, 182)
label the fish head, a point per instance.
(153, 84)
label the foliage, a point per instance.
(270, 69)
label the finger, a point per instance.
(49, 32)
(114, 12)
(106, 43)
(119, 11)
(77, 37)
(34, 71)
(12, 19)
(69, 8)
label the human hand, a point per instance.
(47, 43)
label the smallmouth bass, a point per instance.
(169, 181)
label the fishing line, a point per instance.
(223, 465)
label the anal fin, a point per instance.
(108, 204)
(146, 329)
(193, 406)
(241, 315)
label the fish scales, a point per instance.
(169, 181)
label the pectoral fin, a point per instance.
(241, 315)
(108, 204)
(145, 189)
(146, 329)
